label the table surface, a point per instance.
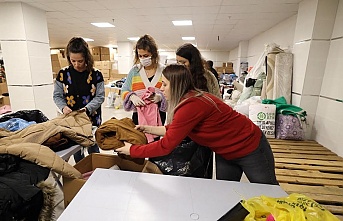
(67, 153)
(122, 195)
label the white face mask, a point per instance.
(146, 61)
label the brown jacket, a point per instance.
(27, 143)
(111, 134)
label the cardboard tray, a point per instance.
(72, 186)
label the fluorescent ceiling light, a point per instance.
(188, 38)
(182, 22)
(161, 50)
(88, 39)
(103, 25)
(133, 38)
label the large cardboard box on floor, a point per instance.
(72, 186)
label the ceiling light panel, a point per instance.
(103, 25)
(182, 22)
(188, 38)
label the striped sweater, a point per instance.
(137, 83)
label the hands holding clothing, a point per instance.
(66, 110)
(125, 149)
(137, 101)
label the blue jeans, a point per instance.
(79, 155)
(258, 166)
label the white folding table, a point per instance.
(65, 155)
(122, 195)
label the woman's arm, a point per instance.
(99, 98)
(58, 95)
(127, 86)
(156, 130)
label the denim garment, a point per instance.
(15, 124)
(258, 166)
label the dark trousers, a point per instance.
(79, 155)
(258, 166)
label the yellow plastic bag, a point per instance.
(295, 207)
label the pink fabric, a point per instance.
(149, 114)
(5, 109)
(86, 175)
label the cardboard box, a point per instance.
(96, 160)
(105, 73)
(228, 64)
(98, 64)
(96, 57)
(105, 57)
(107, 64)
(64, 63)
(3, 88)
(54, 57)
(95, 51)
(6, 100)
(105, 51)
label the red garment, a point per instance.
(217, 126)
(149, 114)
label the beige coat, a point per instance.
(27, 143)
(212, 84)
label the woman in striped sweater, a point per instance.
(146, 72)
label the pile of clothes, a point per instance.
(28, 154)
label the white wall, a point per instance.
(281, 34)
(218, 57)
(328, 122)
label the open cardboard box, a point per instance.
(91, 162)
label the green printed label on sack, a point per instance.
(263, 115)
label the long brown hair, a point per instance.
(78, 45)
(180, 80)
(197, 68)
(147, 43)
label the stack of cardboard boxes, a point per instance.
(106, 68)
(227, 68)
(57, 62)
(101, 53)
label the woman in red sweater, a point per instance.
(238, 142)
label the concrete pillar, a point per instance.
(26, 54)
(312, 36)
(125, 57)
(242, 56)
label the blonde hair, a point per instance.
(180, 80)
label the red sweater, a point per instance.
(217, 126)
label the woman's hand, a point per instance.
(157, 98)
(137, 101)
(125, 149)
(66, 110)
(155, 130)
(143, 128)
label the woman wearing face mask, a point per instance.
(146, 74)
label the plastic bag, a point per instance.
(187, 159)
(295, 207)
